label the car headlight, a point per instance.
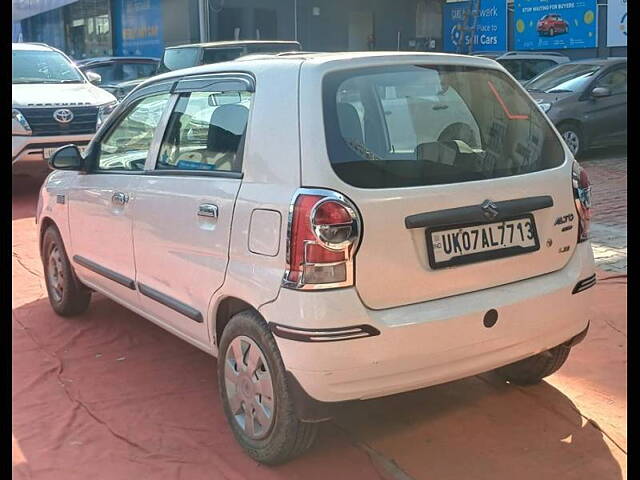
(104, 112)
(19, 124)
(544, 107)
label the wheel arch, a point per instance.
(45, 223)
(224, 310)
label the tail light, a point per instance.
(582, 196)
(324, 233)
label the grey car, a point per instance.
(586, 100)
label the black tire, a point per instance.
(288, 437)
(568, 128)
(533, 369)
(69, 297)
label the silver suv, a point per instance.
(53, 104)
(526, 65)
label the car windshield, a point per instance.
(564, 78)
(39, 66)
(417, 125)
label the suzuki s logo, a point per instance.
(63, 115)
(489, 209)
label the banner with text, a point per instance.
(553, 24)
(617, 23)
(138, 28)
(491, 27)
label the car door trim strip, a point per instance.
(105, 272)
(475, 213)
(171, 303)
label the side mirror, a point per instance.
(94, 78)
(600, 92)
(66, 158)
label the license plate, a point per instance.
(450, 246)
(47, 152)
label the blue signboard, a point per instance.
(138, 28)
(554, 24)
(491, 27)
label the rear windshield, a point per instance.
(177, 58)
(419, 125)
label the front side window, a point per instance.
(390, 127)
(40, 66)
(205, 132)
(177, 58)
(615, 81)
(127, 144)
(107, 72)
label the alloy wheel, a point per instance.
(572, 140)
(249, 387)
(55, 273)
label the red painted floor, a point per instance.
(109, 395)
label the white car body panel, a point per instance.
(425, 339)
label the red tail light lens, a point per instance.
(582, 196)
(324, 232)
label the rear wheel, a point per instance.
(67, 295)
(254, 393)
(572, 136)
(533, 369)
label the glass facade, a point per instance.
(81, 29)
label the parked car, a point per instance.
(526, 65)
(184, 56)
(365, 259)
(586, 100)
(120, 75)
(551, 25)
(53, 104)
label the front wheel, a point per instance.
(533, 369)
(254, 393)
(66, 295)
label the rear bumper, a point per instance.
(31, 149)
(432, 342)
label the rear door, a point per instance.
(185, 202)
(464, 191)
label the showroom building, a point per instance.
(90, 28)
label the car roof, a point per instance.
(531, 54)
(245, 64)
(602, 61)
(43, 47)
(87, 61)
(235, 43)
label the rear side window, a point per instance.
(205, 132)
(390, 127)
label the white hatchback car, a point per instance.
(332, 227)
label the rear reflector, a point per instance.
(584, 284)
(319, 335)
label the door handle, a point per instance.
(119, 198)
(208, 210)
